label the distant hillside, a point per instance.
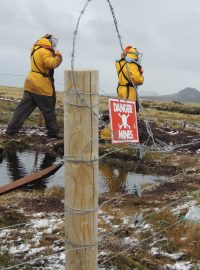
(186, 95)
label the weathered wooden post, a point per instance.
(81, 169)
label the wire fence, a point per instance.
(30, 262)
(156, 145)
(23, 76)
(136, 221)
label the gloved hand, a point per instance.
(58, 53)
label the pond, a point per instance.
(14, 165)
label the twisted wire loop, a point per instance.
(81, 105)
(81, 102)
(74, 211)
(76, 246)
(78, 93)
(71, 160)
(73, 92)
(158, 145)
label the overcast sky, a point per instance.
(166, 31)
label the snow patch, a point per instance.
(193, 214)
(186, 205)
(178, 266)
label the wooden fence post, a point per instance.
(81, 170)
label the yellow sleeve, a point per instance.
(49, 61)
(135, 74)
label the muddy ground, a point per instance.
(160, 205)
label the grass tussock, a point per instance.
(5, 259)
(128, 263)
(10, 217)
(56, 192)
(183, 237)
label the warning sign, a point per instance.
(123, 120)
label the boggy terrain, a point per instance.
(142, 231)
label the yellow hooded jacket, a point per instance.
(127, 71)
(43, 61)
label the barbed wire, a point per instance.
(12, 75)
(148, 128)
(118, 197)
(104, 237)
(101, 205)
(116, 25)
(32, 261)
(143, 189)
(75, 34)
(111, 233)
(24, 76)
(159, 146)
(14, 226)
(165, 147)
(141, 242)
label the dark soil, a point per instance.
(42, 204)
(10, 217)
(164, 134)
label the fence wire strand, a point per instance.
(157, 145)
(139, 243)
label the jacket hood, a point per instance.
(132, 53)
(43, 41)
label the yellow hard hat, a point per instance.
(132, 53)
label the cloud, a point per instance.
(166, 31)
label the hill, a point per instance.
(186, 95)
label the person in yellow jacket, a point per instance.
(130, 75)
(39, 89)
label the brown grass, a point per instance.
(183, 237)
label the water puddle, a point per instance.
(111, 179)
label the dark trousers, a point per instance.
(26, 106)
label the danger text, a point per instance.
(122, 107)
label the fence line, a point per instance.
(31, 261)
(141, 242)
(22, 75)
(109, 234)
(158, 145)
(104, 237)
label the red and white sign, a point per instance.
(123, 121)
